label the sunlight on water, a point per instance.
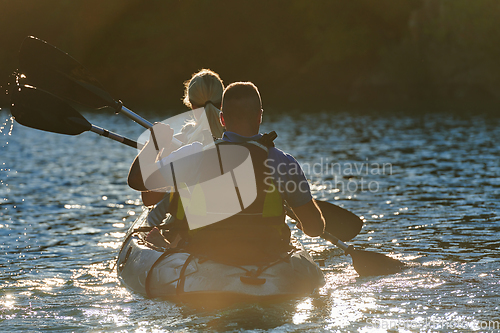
(6, 128)
(50, 284)
(63, 217)
(74, 207)
(117, 234)
(8, 301)
(113, 245)
(302, 311)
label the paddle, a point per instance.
(51, 69)
(365, 263)
(45, 66)
(342, 223)
(38, 109)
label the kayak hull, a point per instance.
(180, 276)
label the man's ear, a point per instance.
(222, 119)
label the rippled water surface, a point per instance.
(428, 188)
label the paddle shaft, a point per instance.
(113, 136)
(135, 117)
(143, 122)
(365, 263)
(55, 71)
(326, 235)
(335, 241)
(39, 109)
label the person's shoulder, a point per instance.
(281, 155)
(184, 151)
(193, 147)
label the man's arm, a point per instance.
(150, 198)
(300, 200)
(134, 179)
(144, 164)
(311, 219)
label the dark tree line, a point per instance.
(305, 55)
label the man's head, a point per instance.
(242, 108)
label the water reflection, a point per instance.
(65, 210)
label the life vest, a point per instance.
(258, 233)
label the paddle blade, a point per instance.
(35, 108)
(51, 69)
(368, 263)
(339, 221)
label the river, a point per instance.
(427, 186)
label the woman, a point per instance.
(204, 89)
(203, 92)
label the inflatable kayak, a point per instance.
(175, 274)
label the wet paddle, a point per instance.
(365, 263)
(38, 109)
(342, 223)
(46, 67)
(51, 69)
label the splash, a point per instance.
(7, 123)
(5, 131)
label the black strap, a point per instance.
(173, 176)
(220, 160)
(182, 276)
(267, 139)
(147, 283)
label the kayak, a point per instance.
(177, 275)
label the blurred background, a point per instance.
(379, 70)
(403, 55)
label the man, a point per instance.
(242, 116)
(260, 227)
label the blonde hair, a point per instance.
(205, 89)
